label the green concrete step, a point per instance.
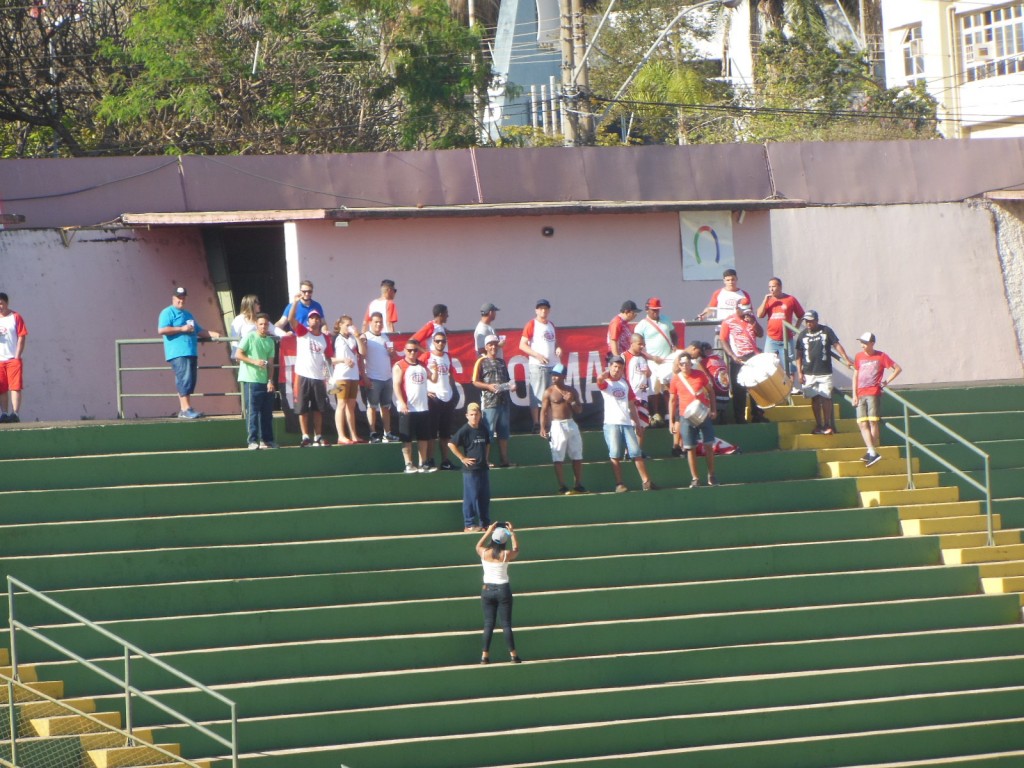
(698, 699)
(1003, 454)
(959, 649)
(272, 592)
(728, 732)
(1006, 483)
(959, 399)
(373, 553)
(286, 493)
(424, 651)
(553, 607)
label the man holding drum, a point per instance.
(691, 413)
(739, 334)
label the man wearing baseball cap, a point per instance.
(619, 329)
(485, 328)
(181, 333)
(661, 342)
(557, 409)
(814, 345)
(739, 333)
(313, 350)
(870, 365)
(490, 376)
(540, 345)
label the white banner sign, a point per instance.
(707, 244)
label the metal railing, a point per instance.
(120, 344)
(129, 652)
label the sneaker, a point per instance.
(12, 418)
(428, 466)
(306, 442)
(866, 457)
(254, 446)
(517, 659)
(473, 529)
(828, 431)
(319, 441)
(189, 414)
(563, 491)
(410, 469)
(375, 438)
(677, 450)
(712, 480)
(447, 466)
(579, 489)
(649, 486)
(695, 483)
(817, 431)
(391, 437)
(266, 446)
(620, 488)
(873, 460)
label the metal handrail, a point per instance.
(129, 650)
(122, 369)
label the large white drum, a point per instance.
(765, 379)
(696, 412)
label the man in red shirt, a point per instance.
(780, 308)
(12, 346)
(870, 366)
(739, 334)
(688, 385)
(424, 335)
(620, 330)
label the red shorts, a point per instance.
(10, 376)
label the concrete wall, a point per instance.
(77, 299)
(587, 268)
(926, 279)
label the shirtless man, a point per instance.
(559, 405)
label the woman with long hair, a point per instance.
(497, 548)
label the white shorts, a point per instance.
(818, 386)
(661, 373)
(565, 440)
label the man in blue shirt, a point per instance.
(181, 333)
(305, 305)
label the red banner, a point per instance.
(583, 352)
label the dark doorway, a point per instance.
(255, 261)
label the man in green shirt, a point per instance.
(255, 356)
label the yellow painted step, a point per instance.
(38, 709)
(963, 540)
(859, 469)
(897, 482)
(1001, 569)
(916, 496)
(1002, 584)
(949, 509)
(931, 526)
(5, 658)
(828, 455)
(968, 555)
(808, 442)
(26, 672)
(67, 725)
(112, 739)
(797, 412)
(29, 691)
(120, 757)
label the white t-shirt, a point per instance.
(414, 385)
(639, 375)
(311, 354)
(345, 350)
(725, 302)
(378, 356)
(616, 402)
(442, 388)
(483, 330)
(542, 341)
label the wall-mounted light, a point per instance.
(341, 224)
(547, 231)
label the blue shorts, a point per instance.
(497, 421)
(692, 435)
(185, 369)
(621, 437)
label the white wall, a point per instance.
(925, 279)
(76, 300)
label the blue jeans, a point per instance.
(476, 497)
(496, 600)
(497, 421)
(259, 412)
(185, 370)
(784, 351)
(621, 437)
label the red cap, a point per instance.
(654, 303)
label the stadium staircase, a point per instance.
(808, 612)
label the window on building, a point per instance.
(992, 42)
(913, 55)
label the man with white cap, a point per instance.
(557, 409)
(313, 349)
(490, 376)
(660, 340)
(181, 333)
(740, 332)
(814, 345)
(870, 365)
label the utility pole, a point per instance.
(568, 67)
(581, 76)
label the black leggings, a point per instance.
(496, 600)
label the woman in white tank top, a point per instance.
(496, 596)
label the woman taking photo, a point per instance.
(496, 597)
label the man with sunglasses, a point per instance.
(304, 305)
(440, 399)
(409, 381)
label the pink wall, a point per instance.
(76, 300)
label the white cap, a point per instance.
(867, 337)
